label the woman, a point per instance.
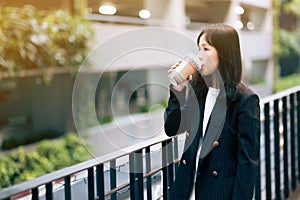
(221, 119)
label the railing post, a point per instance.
(170, 165)
(277, 150)
(148, 169)
(113, 178)
(139, 175)
(167, 164)
(67, 188)
(49, 195)
(132, 176)
(164, 170)
(100, 181)
(91, 186)
(176, 152)
(285, 148)
(136, 175)
(35, 194)
(292, 129)
(298, 132)
(267, 151)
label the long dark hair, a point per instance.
(226, 41)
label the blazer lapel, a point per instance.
(215, 125)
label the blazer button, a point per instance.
(184, 162)
(216, 143)
(215, 173)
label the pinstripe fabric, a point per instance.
(229, 170)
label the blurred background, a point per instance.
(43, 43)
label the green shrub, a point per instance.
(286, 82)
(32, 38)
(48, 156)
(144, 108)
(106, 119)
(56, 152)
(149, 108)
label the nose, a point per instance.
(200, 55)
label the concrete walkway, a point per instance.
(262, 91)
(295, 195)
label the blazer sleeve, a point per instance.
(173, 122)
(248, 147)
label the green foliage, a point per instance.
(288, 42)
(286, 82)
(276, 37)
(106, 119)
(56, 152)
(79, 7)
(285, 41)
(49, 155)
(164, 103)
(144, 108)
(292, 6)
(148, 108)
(32, 38)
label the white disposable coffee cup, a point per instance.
(189, 65)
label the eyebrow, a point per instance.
(204, 44)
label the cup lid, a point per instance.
(194, 60)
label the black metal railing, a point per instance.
(141, 171)
(154, 163)
(280, 145)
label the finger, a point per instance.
(170, 70)
(176, 64)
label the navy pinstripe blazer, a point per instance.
(228, 164)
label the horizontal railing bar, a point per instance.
(150, 173)
(279, 95)
(110, 192)
(280, 110)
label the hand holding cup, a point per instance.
(181, 72)
(179, 87)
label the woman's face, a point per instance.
(208, 56)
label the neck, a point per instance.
(211, 81)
